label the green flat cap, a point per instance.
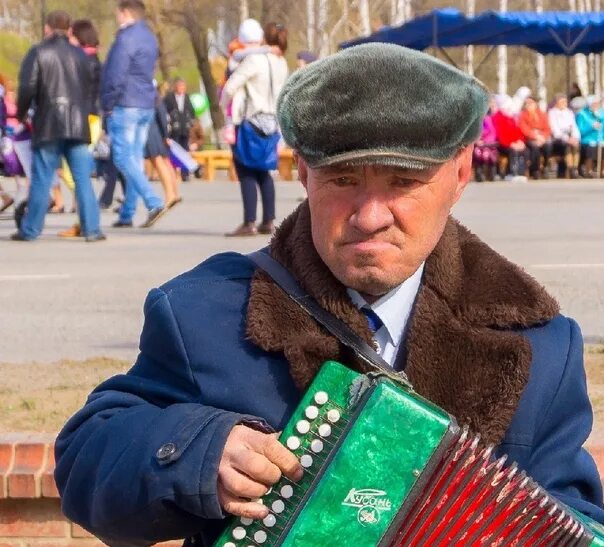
(381, 104)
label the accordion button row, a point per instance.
(286, 492)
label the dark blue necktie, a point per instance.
(373, 320)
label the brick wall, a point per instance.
(30, 511)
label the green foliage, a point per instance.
(12, 50)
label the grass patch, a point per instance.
(42, 396)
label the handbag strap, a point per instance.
(288, 284)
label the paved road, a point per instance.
(67, 299)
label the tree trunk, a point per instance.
(322, 26)
(540, 65)
(469, 52)
(159, 29)
(502, 59)
(580, 60)
(244, 10)
(398, 12)
(598, 62)
(199, 42)
(310, 24)
(365, 18)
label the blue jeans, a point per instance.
(45, 162)
(128, 129)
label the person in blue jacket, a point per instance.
(128, 102)
(590, 120)
(185, 438)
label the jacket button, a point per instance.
(166, 451)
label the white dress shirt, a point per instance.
(393, 309)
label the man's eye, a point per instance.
(401, 182)
(343, 181)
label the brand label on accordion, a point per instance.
(371, 503)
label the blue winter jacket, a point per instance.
(127, 78)
(198, 375)
(586, 118)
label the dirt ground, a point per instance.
(40, 397)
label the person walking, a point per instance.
(55, 78)
(128, 101)
(158, 154)
(84, 35)
(182, 116)
(253, 89)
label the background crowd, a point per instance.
(73, 118)
(520, 139)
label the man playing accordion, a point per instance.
(383, 137)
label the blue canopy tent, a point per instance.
(561, 33)
(554, 32)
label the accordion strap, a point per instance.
(288, 284)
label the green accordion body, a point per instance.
(384, 467)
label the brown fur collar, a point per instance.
(461, 348)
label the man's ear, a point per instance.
(302, 170)
(464, 170)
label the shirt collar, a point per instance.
(394, 308)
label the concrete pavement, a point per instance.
(67, 299)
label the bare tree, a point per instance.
(311, 23)
(398, 12)
(540, 66)
(364, 17)
(244, 10)
(580, 60)
(323, 20)
(185, 14)
(502, 59)
(155, 19)
(469, 52)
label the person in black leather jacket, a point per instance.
(55, 80)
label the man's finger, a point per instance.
(241, 507)
(283, 459)
(256, 466)
(240, 485)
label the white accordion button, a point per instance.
(246, 521)
(287, 492)
(312, 412)
(293, 443)
(325, 430)
(316, 446)
(239, 532)
(260, 536)
(321, 398)
(306, 460)
(278, 506)
(269, 521)
(229, 544)
(303, 427)
(334, 416)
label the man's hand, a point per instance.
(251, 463)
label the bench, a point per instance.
(211, 160)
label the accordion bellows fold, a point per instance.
(463, 351)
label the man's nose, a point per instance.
(372, 214)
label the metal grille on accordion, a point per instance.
(385, 467)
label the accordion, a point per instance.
(385, 467)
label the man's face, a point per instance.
(180, 88)
(373, 226)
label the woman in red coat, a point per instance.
(511, 141)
